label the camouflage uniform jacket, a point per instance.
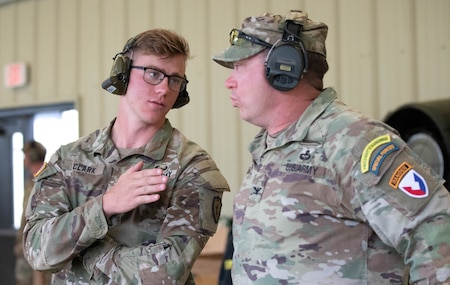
(68, 233)
(339, 198)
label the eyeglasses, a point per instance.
(236, 36)
(154, 77)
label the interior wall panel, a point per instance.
(45, 46)
(67, 50)
(114, 32)
(24, 40)
(193, 25)
(382, 54)
(394, 45)
(356, 52)
(433, 49)
(89, 58)
(8, 45)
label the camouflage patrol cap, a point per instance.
(269, 28)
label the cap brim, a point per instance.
(235, 53)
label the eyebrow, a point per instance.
(165, 72)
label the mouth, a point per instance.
(233, 101)
(157, 103)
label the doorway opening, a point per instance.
(52, 129)
(52, 125)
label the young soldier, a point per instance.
(136, 201)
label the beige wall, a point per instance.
(382, 54)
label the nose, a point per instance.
(230, 82)
(163, 86)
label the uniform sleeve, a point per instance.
(408, 207)
(55, 233)
(190, 220)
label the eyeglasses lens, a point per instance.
(155, 77)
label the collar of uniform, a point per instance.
(102, 143)
(154, 149)
(298, 130)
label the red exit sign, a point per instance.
(15, 74)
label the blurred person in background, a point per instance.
(34, 159)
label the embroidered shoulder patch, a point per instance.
(409, 181)
(370, 147)
(398, 174)
(378, 159)
(414, 185)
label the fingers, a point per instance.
(143, 173)
(154, 183)
(137, 168)
(147, 199)
(135, 187)
(146, 181)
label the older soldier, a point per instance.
(332, 196)
(136, 201)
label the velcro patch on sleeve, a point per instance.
(376, 162)
(370, 148)
(409, 181)
(398, 174)
(405, 181)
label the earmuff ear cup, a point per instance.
(285, 65)
(117, 82)
(183, 99)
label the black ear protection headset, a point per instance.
(119, 77)
(287, 60)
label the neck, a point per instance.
(34, 168)
(291, 107)
(126, 134)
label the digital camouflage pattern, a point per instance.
(67, 232)
(330, 200)
(269, 28)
